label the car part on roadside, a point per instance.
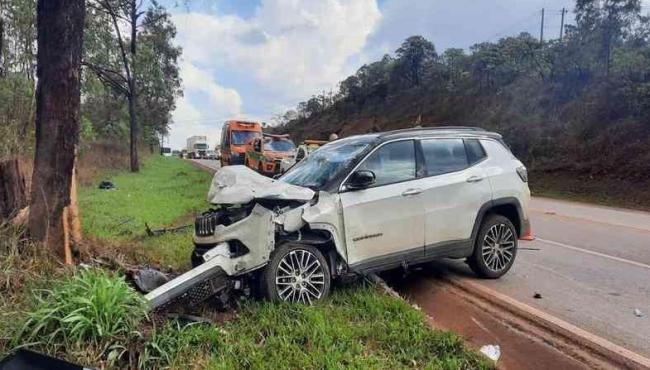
(164, 230)
(24, 359)
(355, 206)
(148, 279)
(106, 185)
(492, 351)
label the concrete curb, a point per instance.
(566, 337)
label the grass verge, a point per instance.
(594, 190)
(71, 313)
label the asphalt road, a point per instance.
(590, 264)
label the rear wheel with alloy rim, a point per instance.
(495, 247)
(296, 273)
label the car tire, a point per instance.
(495, 247)
(296, 273)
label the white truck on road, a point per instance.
(197, 147)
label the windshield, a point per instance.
(282, 145)
(242, 137)
(166, 150)
(200, 146)
(326, 162)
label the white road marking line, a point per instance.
(578, 249)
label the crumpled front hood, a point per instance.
(241, 185)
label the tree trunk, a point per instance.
(60, 33)
(133, 131)
(13, 196)
(133, 124)
(2, 39)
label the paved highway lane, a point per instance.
(590, 264)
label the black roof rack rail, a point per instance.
(469, 128)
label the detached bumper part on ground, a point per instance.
(24, 359)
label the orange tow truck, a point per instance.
(235, 135)
(265, 154)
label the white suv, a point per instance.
(366, 203)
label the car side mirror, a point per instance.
(361, 180)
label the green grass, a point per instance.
(165, 189)
(594, 190)
(91, 306)
(360, 327)
(93, 318)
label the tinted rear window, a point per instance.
(444, 155)
(475, 151)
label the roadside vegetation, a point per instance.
(91, 315)
(575, 110)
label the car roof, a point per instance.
(438, 131)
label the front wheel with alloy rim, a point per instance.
(495, 247)
(296, 273)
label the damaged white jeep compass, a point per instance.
(357, 205)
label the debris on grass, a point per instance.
(29, 360)
(492, 351)
(106, 185)
(147, 279)
(164, 230)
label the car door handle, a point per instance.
(408, 192)
(474, 179)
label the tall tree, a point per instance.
(60, 38)
(127, 80)
(124, 11)
(413, 55)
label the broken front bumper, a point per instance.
(256, 232)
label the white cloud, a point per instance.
(191, 120)
(291, 47)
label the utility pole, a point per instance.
(562, 23)
(541, 29)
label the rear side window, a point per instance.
(444, 155)
(393, 162)
(475, 151)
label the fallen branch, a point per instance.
(165, 230)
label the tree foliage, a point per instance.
(564, 105)
(104, 109)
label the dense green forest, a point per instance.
(576, 110)
(111, 62)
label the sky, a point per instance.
(253, 59)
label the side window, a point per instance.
(444, 155)
(226, 137)
(393, 162)
(475, 151)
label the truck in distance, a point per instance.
(197, 147)
(235, 135)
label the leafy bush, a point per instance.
(92, 306)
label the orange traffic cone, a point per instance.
(528, 235)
